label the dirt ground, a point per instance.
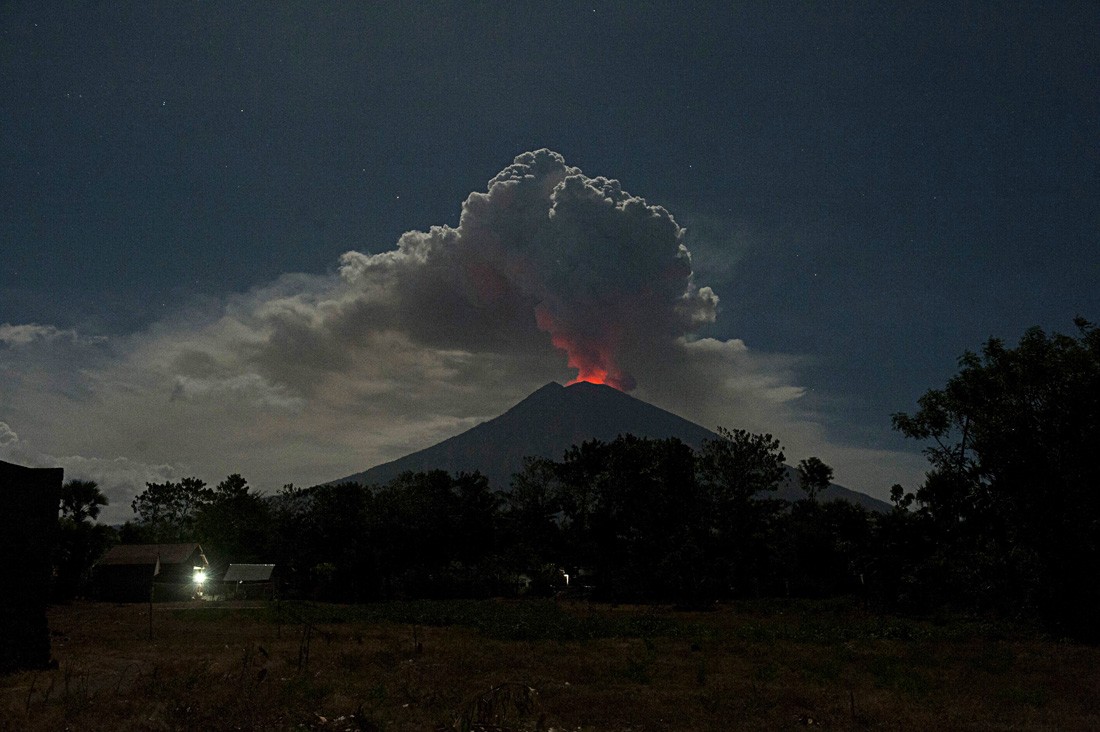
(212, 666)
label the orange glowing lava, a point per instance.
(594, 359)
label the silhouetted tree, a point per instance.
(737, 473)
(630, 512)
(1012, 491)
(81, 500)
(899, 568)
(233, 523)
(166, 512)
(336, 532)
(290, 544)
(647, 519)
(529, 522)
(825, 547)
(814, 476)
(433, 534)
(475, 518)
(80, 541)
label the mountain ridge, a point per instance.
(549, 421)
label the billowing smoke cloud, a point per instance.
(600, 272)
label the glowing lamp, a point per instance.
(199, 576)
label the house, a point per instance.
(30, 497)
(140, 572)
(249, 581)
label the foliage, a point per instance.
(740, 466)
(80, 541)
(318, 536)
(736, 474)
(167, 511)
(814, 476)
(630, 520)
(81, 500)
(425, 534)
(232, 522)
(652, 520)
(529, 520)
(1011, 499)
(630, 513)
(825, 548)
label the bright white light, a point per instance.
(200, 576)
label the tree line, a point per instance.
(631, 519)
(1006, 521)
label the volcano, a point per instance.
(551, 420)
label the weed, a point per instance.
(763, 665)
(765, 673)
(304, 644)
(350, 660)
(638, 670)
(995, 659)
(1032, 697)
(507, 706)
(891, 672)
(384, 660)
(710, 701)
(76, 695)
(821, 671)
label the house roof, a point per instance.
(150, 553)
(249, 573)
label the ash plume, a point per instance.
(601, 273)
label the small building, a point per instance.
(138, 572)
(249, 581)
(30, 498)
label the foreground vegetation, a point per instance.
(527, 665)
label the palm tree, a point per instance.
(80, 542)
(81, 499)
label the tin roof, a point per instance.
(249, 573)
(150, 553)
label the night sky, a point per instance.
(202, 204)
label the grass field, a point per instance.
(544, 665)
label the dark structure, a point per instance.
(30, 497)
(249, 581)
(128, 572)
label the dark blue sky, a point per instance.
(873, 187)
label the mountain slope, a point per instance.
(552, 419)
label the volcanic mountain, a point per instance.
(551, 420)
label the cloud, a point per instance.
(250, 388)
(7, 435)
(26, 334)
(548, 275)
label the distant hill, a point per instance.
(552, 419)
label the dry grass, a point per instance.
(503, 665)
